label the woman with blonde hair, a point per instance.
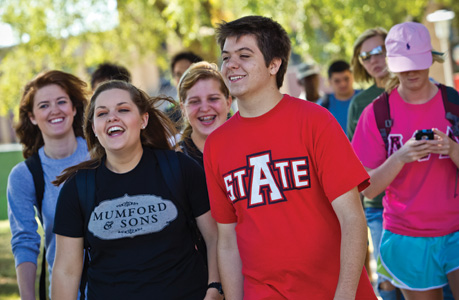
(414, 159)
(205, 102)
(369, 65)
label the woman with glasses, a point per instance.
(415, 160)
(369, 65)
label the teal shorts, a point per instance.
(418, 263)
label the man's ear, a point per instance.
(275, 65)
(229, 100)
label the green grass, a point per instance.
(7, 161)
(8, 283)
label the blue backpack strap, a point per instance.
(86, 186)
(384, 122)
(33, 163)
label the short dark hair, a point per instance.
(272, 39)
(188, 55)
(338, 66)
(109, 71)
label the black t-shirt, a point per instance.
(141, 245)
(189, 148)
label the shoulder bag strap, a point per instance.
(33, 163)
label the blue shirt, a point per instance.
(26, 240)
(339, 108)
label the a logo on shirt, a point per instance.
(263, 180)
(396, 142)
(130, 216)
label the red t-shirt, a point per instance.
(276, 176)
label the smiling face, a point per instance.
(376, 64)
(205, 107)
(53, 112)
(244, 69)
(117, 122)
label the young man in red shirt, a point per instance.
(283, 181)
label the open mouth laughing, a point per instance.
(207, 119)
(115, 130)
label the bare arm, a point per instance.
(353, 243)
(383, 175)
(208, 228)
(67, 268)
(229, 262)
(26, 273)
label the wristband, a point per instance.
(216, 285)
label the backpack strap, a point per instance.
(86, 186)
(451, 103)
(33, 163)
(325, 101)
(381, 109)
(171, 171)
(170, 168)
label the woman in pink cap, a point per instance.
(418, 171)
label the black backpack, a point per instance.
(384, 122)
(170, 169)
(33, 163)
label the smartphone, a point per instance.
(424, 134)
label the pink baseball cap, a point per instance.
(408, 48)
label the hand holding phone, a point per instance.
(424, 134)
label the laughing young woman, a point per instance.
(205, 102)
(140, 244)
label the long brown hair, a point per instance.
(198, 71)
(159, 133)
(29, 134)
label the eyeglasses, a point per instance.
(365, 56)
